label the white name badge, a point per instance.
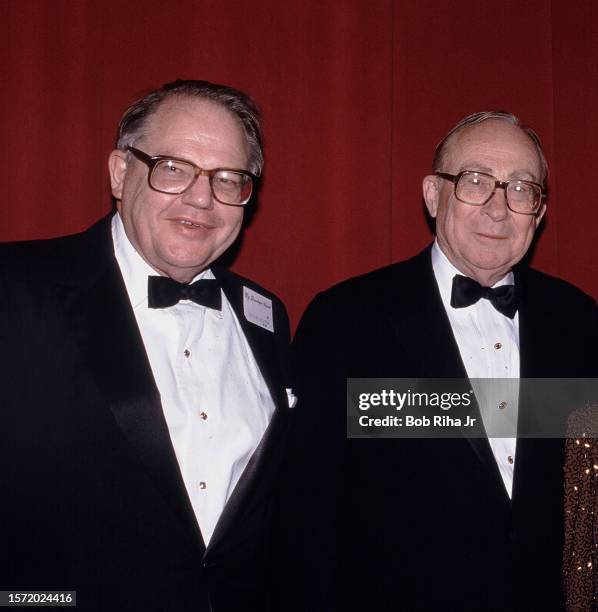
(257, 309)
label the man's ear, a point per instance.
(540, 215)
(117, 166)
(430, 192)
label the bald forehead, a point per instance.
(489, 140)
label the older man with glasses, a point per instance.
(469, 523)
(145, 392)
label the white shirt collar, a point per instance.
(444, 271)
(133, 267)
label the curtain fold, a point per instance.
(355, 96)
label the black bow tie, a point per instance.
(163, 292)
(466, 292)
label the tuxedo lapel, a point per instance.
(422, 322)
(434, 352)
(265, 345)
(105, 328)
(540, 357)
(267, 348)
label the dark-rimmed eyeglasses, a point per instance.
(172, 175)
(477, 188)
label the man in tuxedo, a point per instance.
(144, 387)
(440, 524)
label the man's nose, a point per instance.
(199, 194)
(496, 207)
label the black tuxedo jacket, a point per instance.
(92, 496)
(426, 524)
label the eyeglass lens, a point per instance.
(475, 188)
(174, 176)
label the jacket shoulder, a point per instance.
(37, 248)
(557, 294)
(365, 302)
(55, 257)
(380, 286)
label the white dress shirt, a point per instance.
(215, 401)
(489, 346)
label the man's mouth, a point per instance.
(191, 224)
(491, 236)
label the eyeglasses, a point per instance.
(172, 175)
(477, 188)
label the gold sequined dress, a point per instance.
(580, 555)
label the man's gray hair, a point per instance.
(480, 117)
(134, 122)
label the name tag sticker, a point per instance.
(257, 309)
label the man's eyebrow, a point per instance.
(523, 175)
(173, 156)
(475, 168)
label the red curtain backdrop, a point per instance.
(355, 96)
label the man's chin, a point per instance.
(490, 270)
(183, 270)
